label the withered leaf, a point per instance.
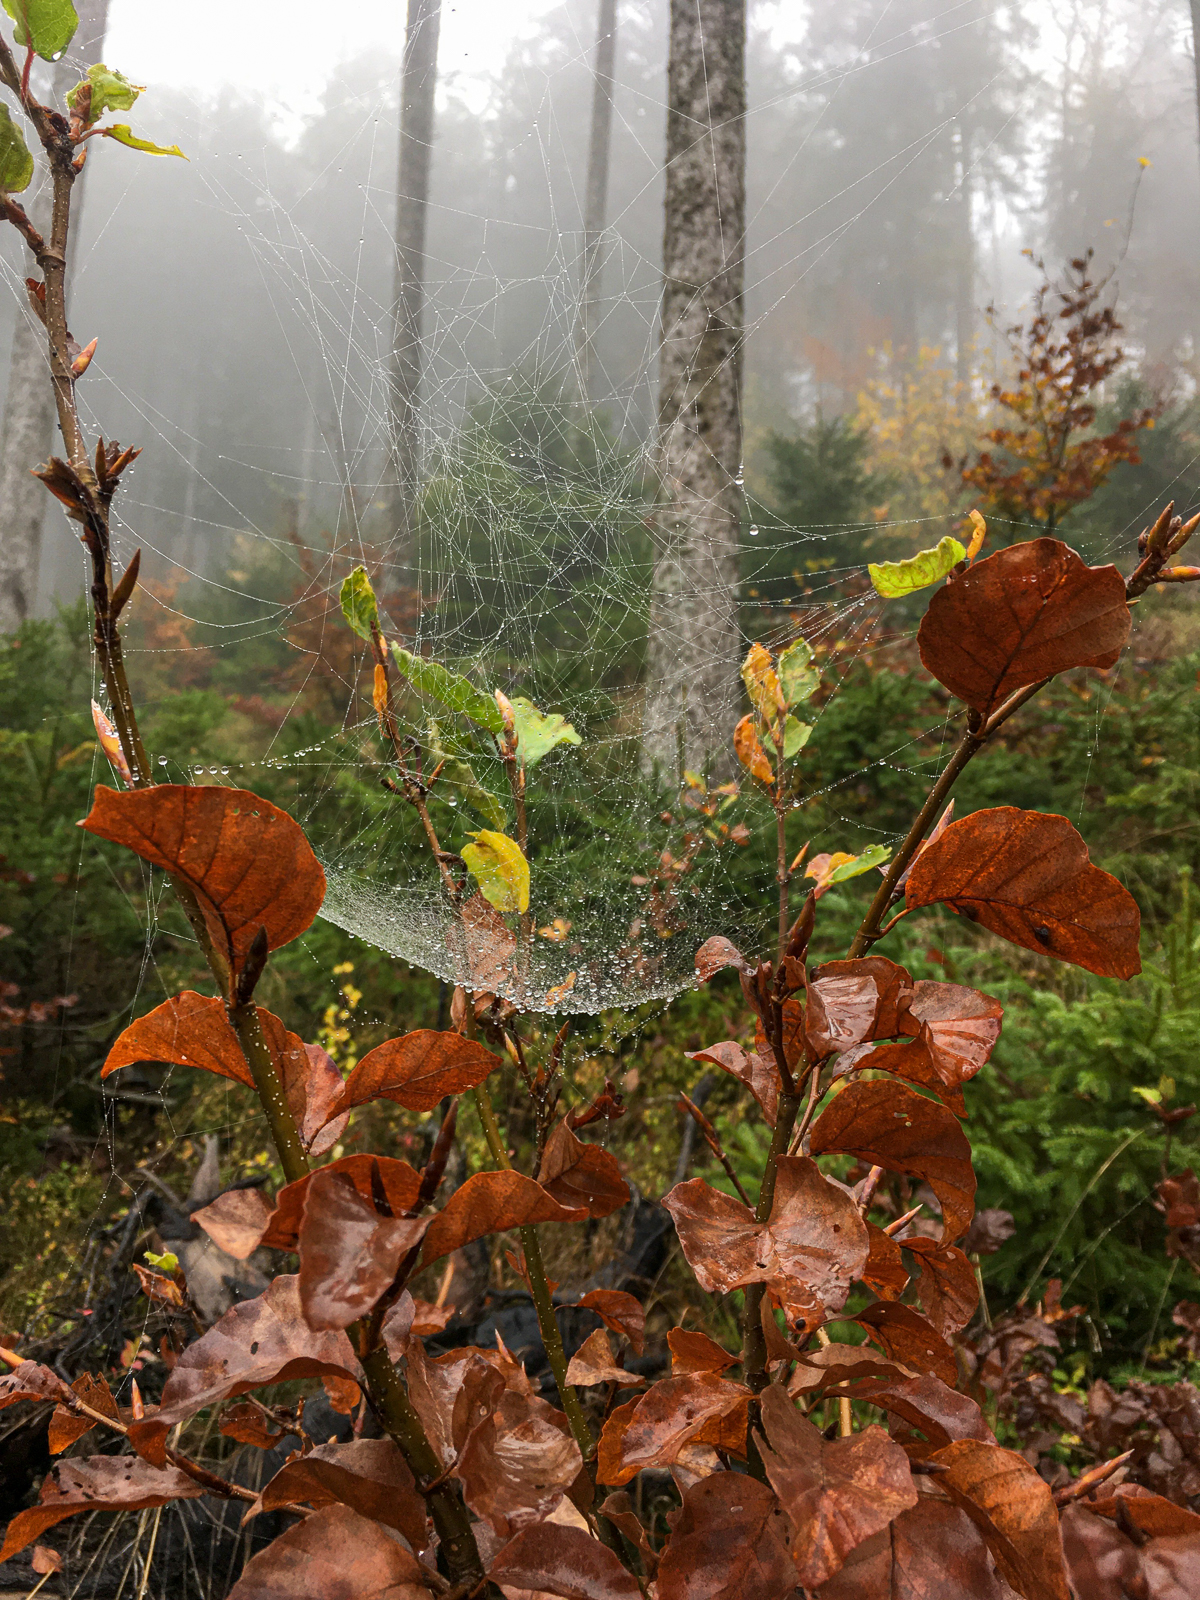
(885, 1271)
(729, 1542)
(932, 1552)
(1026, 876)
(247, 862)
(960, 1026)
(487, 945)
(453, 1395)
(716, 953)
(836, 1493)
(891, 1126)
(594, 1363)
(236, 1221)
(906, 1336)
(692, 1351)
(517, 1464)
(621, 1312)
(1021, 615)
(989, 1229)
(32, 1381)
(810, 1251)
(368, 1475)
(46, 1560)
(248, 1425)
(651, 1431)
(1151, 1514)
(844, 1363)
(96, 1483)
(550, 1559)
(947, 1288)
(491, 1202)
(418, 1070)
(336, 1554)
(67, 1426)
(757, 1071)
(929, 1405)
(348, 1252)
(581, 1175)
(1013, 1509)
(260, 1341)
(853, 1001)
(372, 1176)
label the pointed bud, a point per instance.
(84, 359)
(110, 743)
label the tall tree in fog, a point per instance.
(418, 84)
(1196, 50)
(693, 644)
(595, 201)
(27, 429)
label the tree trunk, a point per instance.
(964, 265)
(1196, 51)
(595, 205)
(27, 430)
(418, 83)
(693, 644)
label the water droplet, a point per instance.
(162, 761)
(224, 772)
(754, 530)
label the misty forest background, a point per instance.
(907, 163)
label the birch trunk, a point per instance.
(595, 205)
(27, 433)
(694, 645)
(418, 83)
(964, 265)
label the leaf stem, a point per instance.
(248, 1027)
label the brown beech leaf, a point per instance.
(491, 1202)
(453, 1395)
(926, 1403)
(487, 942)
(885, 1271)
(581, 1175)
(1026, 876)
(67, 1426)
(380, 1179)
(621, 1312)
(550, 1559)
(836, 1492)
(758, 1072)
(850, 1002)
(932, 1552)
(947, 1288)
(261, 1341)
(1013, 1509)
(32, 1381)
(418, 1070)
(716, 953)
(594, 1363)
(729, 1542)
(1021, 615)
(348, 1252)
(619, 1510)
(334, 1554)
(1104, 1563)
(315, 1109)
(810, 1251)
(368, 1475)
(960, 1026)
(247, 862)
(517, 1464)
(889, 1125)
(651, 1430)
(236, 1221)
(96, 1483)
(909, 1059)
(696, 1352)
(409, 1318)
(46, 1560)
(343, 1394)
(248, 1425)
(905, 1335)
(844, 1363)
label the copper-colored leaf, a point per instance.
(926, 1403)
(1104, 1563)
(247, 862)
(66, 1426)
(453, 1395)
(947, 1288)
(651, 1431)
(96, 1483)
(46, 1560)
(248, 1424)
(750, 752)
(758, 1072)
(486, 943)
(1026, 875)
(261, 1341)
(490, 1202)
(810, 1251)
(885, 1271)
(349, 1253)
(1014, 1511)
(594, 1363)
(1021, 615)
(845, 1363)
(550, 1559)
(852, 1001)
(376, 1178)
(342, 1393)
(1151, 1514)
(959, 1025)
(581, 1175)
(334, 1554)
(836, 1492)
(889, 1125)
(929, 1553)
(621, 1312)
(32, 1381)
(518, 1463)
(729, 1542)
(418, 1070)
(315, 1109)
(692, 1351)
(906, 1336)
(716, 953)
(236, 1221)
(368, 1475)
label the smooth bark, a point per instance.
(595, 204)
(693, 645)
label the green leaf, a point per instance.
(538, 734)
(123, 134)
(873, 856)
(359, 606)
(500, 869)
(458, 776)
(895, 578)
(451, 688)
(798, 674)
(49, 25)
(111, 91)
(796, 735)
(167, 1262)
(16, 164)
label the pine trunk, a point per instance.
(595, 205)
(694, 645)
(418, 84)
(27, 432)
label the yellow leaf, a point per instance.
(762, 683)
(500, 869)
(979, 535)
(379, 694)
(750, 751)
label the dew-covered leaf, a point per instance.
(926, 1403)
(947, 1288)
(359, 606)
(109, 91)
(518, 1463)
(418, 1070)
(581, 1175)
(799, 675)
(758, 1073)
(621, 1312)
(595, 1363)
(383, 1180)
(96, 1483)
(693, 1351)
(908, 1337)
(729, 1542)
(349, 1253)
(334, 1554)
(47, 25)
(929, 1553)
(16, 163)
(552, 1559)
(498, 865)
(762, 684)
(450, 688)
(894, 579)
(749, 750)
(539, 732)
(796, 735)
(715, 954)
(491, 1202)
(1011, 1505)
(700, 1407)
(368, 1475)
